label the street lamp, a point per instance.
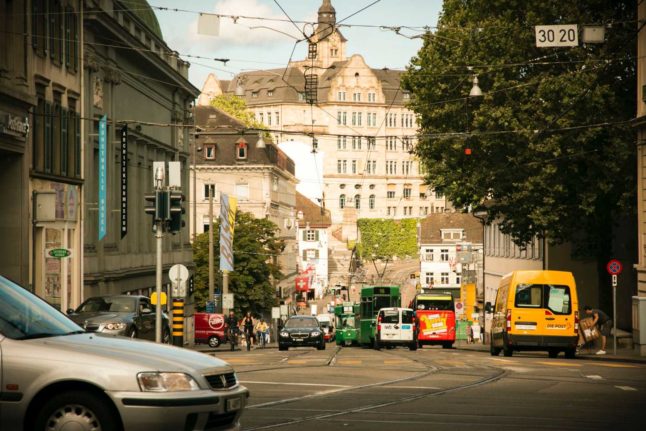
(475, 90)
(261, 142)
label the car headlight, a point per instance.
(115, 326)
(166, 382)
(315, 334)
(284, 334)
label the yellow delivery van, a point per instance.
(535, 310)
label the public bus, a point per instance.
(345, 318)
(435, 316)
(374, 298)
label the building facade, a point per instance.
(228, 161)
(134, 79)
(313, 243)
(359, 120)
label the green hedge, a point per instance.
(385, 238)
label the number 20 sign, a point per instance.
(548, 36)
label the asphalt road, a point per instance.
(435, 389)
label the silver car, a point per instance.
(54, 375)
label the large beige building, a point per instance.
(359, 121)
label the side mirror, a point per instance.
(70, 311)
(146, 310)
(488, 308)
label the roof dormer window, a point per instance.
(241, 149)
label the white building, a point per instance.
(360, 121)
(313, 228)
(441, 235)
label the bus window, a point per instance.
(435, 304)
(383, 302)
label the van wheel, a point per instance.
(413, 346)
(552, 353)
(495, 351)
(506, 351)
(214, 341)
(570, 353)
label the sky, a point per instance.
(250, 48)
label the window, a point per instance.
(390, 194)
(372, 143)
(354, 166)
(407, 191)
(356, 142)
(269, 118)
(406, 96)
(553, 297)
(444, 255)
(423, 211)
(407, 144)
(56, 32)
(406, 167)
(242, 191)
(209, 190)
(310, 235)
(71, 39)
(341, 142)
(372, 97)
(391, 143)
(340, 96)
(428, 255)
(439, 195)
(371, 202)
(341, 166)
(39, 26)
(444, 278)
(391, 167)
(209, 152)
(371, 166)
(356, 97)
(529, 296)
(334, 52)
(311, 51)
(371, 119)
(344, 117)
(458, 279)
(357, 201)
(254, 94)
(342, 201)
(277, 118)
(241, 150)
(270, 93)
(274, 183)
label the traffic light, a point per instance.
(157, 207)
(176, 223)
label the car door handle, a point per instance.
(549, 318)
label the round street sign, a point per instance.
(178, 273)
(614, 267)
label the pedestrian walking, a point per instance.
(603, 322)
(248, 326)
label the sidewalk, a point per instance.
(623, 355)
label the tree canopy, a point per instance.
(237, 108)
(552, 154)
(255, 247)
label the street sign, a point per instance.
(614, 267)
(59, 252)
(554, 36)
(178, 274)
(227, 301)
(614, 280)
(275, 312)
(153, 298)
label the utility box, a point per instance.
(639, 324)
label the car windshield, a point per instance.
(23, 315)
(301, 323)
(389, 316)
(116, 304)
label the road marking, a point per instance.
(559, 364)
(242, 361)
(617, 365)
(414, 387)
(395, 361)
(297, 361)
(626, 388)
(255, 382)
(349, 362)
(595, 377)
(502, 360)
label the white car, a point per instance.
(57, 376)
(396, 327)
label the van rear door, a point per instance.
(407, 325)
(542, 309)
(390, 324)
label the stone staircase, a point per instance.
(338, 261)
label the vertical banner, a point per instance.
(124, 180)
(103, 174)
(228, 207)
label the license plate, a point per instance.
(234, 404)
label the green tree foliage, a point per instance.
(255, 248)
(237, 108)
(531, 164)
(385, 238)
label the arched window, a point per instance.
(371, 202)
(357, 201)
(342, 201)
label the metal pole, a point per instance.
(614, 317)
(195, 189)
(225, 289)
(211, 257)
(158, 310)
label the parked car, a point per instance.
(209, 328)
(300, 331)
(128, 315)
(396, 327)
(55, 375)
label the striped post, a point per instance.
(178, 322)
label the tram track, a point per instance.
(498, 374)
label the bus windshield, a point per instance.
(435, 304)
(382, 302)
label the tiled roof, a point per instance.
(312, 213)
(432, 227)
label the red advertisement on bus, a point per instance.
(435, 316)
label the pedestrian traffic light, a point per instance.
(175, 221)
(157, 207)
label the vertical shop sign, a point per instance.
(124, 181)
(103, 167)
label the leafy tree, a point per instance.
(385, 238)
(237, 108)
(536, 164)
(255, 248)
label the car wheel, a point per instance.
(321, 346)
(413, 346)
(214, 341)
(133, 332)
(78, 410)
